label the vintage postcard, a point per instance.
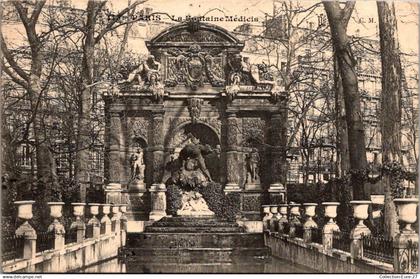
(210, 137)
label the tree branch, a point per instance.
(115, 19)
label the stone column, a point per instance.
(26, 230)
(277, 189)
(78, 224)
(115, 169)
(360, 213)
(56, 226)
(233, 135)
(158, 189)
(407, 240)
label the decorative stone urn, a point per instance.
(25, 210)
(56, 209)
(331, 213)
(294, 211)
(123, 208)
(407, 212)
(106, 209)
(78, 209)
(94, 208)
(360, 212)
(310, 213)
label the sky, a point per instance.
(407, 13)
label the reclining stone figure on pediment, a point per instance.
(147, 76)
(242, 73)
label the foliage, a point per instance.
(225, 206)
(173, 199)
(397, 174)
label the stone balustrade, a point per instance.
(59, 233)
(405, 245)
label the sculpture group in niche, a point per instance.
(147, 76)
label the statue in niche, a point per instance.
(147, 76)
(137, 166)
(252, 165)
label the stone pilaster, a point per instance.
(232, 155)
(158, 189)
(115, 169)
(277, 189)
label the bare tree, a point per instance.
(338, 19)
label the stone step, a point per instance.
(194, 224)
(196, 240)
(208, 267)
(200, 229)
(196, 255)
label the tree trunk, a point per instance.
(338, 19)
(83, 141)
(390, 105)
(342, 166)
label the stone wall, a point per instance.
(314, 256)
(74, 256)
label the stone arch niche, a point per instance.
(196, 81)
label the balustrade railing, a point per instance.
(316, 235)
(89, 230)
(45, 241)
(286, 228)
(378, 248)
(71, 236)
(299, 231)
(113, 225)
(341, 241)
(11, 246)
(103, 228)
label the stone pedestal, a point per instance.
(251, 201)
(138, 207)
(59, 234)
(406, 242)
(29, 234)
(113, 193)
(360, 213)
(105, 220)
(158, 202)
